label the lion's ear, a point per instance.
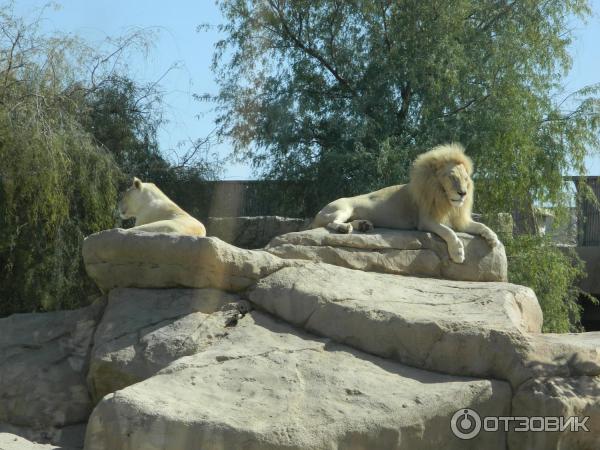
(137, 183)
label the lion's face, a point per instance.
(456, 183)
(131, 201)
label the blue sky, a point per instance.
(178, 42)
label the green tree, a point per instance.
(57, 185)
(342, 95)
(74, 128)
(534, 261)
(56, 188)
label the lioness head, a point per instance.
(456, 182)
(132, 200)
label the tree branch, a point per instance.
(406, 94)
(386, 37)
(307, 49)
(465, 106)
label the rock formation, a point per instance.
(200, 344)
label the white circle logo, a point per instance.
(465, 424)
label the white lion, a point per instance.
(154, 211)
(438, 198)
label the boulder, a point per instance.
(576, 397)
(43, 366)
(126, 258)
(252, 232)
(144, 330)
(395, 251)
(267, 386)
(364, 360)
(462, 328)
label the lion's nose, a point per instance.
(461, 193)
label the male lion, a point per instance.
(438, 198)
(154, 211)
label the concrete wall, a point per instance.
(252, 232)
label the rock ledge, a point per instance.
(395, 251)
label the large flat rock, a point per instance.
(123, 258)
(463, 328)
(144, 330)
(267, 386)
(395, 251)
(43, 366)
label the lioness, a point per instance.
(438, 198)
(154, 211)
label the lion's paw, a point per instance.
(457, 252)
(344, 228)
(362, 225)
(491, 238)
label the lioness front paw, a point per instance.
(491, 238)
(457, 252)
(344, 228)
(362, 225)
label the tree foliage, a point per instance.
(330, 91)
(56, 184)
(62, 159)
(340, 96)
(536, 262)
(74, 128)
(124, 118)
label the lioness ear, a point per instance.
(137, 183)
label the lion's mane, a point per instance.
(427, 190)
